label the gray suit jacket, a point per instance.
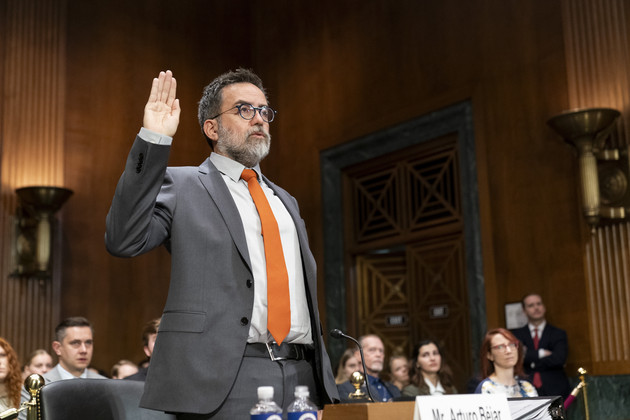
(205, 323)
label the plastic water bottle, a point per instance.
(266, 408)
(302, 408)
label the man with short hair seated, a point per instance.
(374, 353)
(74, 346)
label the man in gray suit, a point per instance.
(74, 346)
(213, 347)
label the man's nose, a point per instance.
(257, 120)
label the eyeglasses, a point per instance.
(248, 112)
(504, 347)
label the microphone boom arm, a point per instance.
(338, 334)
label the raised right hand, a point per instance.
(161, 113)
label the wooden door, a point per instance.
(406, 254)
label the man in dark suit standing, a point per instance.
(546, 349)
(235, 318)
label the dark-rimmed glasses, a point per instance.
(504, 347)
(248, 112)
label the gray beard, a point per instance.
(248, 153)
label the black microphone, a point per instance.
(339, 334)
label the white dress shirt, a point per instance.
(540, 327)
(64, 374)
(435, 390)
(231, 170)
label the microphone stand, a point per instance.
(339, 334)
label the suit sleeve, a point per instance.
(558, 345)
(531, 355)
(140, 215)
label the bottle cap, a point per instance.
(301, 391)
(265, 392)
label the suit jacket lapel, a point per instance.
(544, 336)
(527, 335)
(219, 193)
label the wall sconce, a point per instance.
(33, 236)
(604, 171)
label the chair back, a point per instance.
(95, 399)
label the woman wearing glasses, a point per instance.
(502, 366)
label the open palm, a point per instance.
(161, 113)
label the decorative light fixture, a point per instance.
(33, 236)
(604, 170)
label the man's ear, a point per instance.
(210, 129)
(147, 351)
(56, 345)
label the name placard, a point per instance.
(462, 407)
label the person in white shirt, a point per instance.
(429, 374)
(74, 346)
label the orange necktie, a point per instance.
(537, 379)
(278, 307)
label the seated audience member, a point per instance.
(38, 362)
(374, 352)
(149, 335)
(429, 375)
(348, 364)
(10, 377)
(399, 371)
(123, 368)
(74, 346)
(502, 366)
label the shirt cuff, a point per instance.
(541, 353)
(154, 137)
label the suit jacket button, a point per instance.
(244, 321)
(249, 283)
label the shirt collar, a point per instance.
(540, 327)
(230, 167)
(439, 389)
(64, 374)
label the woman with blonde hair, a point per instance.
(399, 371)
(10, 377)
(39, 361)
(348, 364)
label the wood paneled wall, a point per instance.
(32, 136)
(597, 45)
(115, 49)
(336, 71)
